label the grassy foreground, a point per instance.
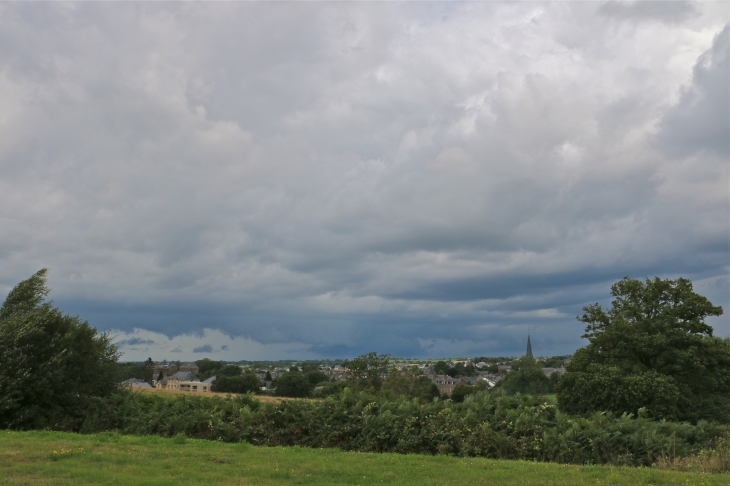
(31, 458)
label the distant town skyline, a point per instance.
(304, 180)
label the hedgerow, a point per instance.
(484, 425)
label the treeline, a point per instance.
(483, 425)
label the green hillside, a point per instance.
(62, 458)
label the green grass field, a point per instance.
(31, 458)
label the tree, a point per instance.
(653, 350)
(248, 382)
(441, 368)
(53, 365)
(424, 389)
(149, 370)
(460, 392)
(526, 377)
(208, 367)
(229, 370)
(370, 369)
(315, 377)
(308, 366)
(130, 370)
(293, 384)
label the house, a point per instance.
(185, 381)
(163, 370)
(445, 383)
(189, 367)
(136, 383)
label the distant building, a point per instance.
(529, 347)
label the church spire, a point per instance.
(529, 346)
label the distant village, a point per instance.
(184, 376)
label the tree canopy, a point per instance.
(526, 377)
(240, 383)
(53, 364)
(652, 349)
(370, 369)
(293, 384)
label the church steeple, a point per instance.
(529, 346)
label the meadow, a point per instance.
(58, 458)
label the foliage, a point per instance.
(441, 367)
(460, 370)
(208, 367)
(149, 371)
(53, 364)
(308, 366)
(654, 350)
(460, 392)
(129, 370)
(229, 370)
(483, 425)
(292, 384)
(315, 377)
(370, 369)
(424, 389)
(331, 388)
(526, 377)
(407, 383)
(248, 382)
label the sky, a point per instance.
(309, 180)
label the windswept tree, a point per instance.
(51, 364)
(653, 350)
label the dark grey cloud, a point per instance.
(324, 179)
(135, 342)
(206, 348)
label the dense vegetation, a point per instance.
(653, 351)
(484, 425)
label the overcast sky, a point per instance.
(311, 180)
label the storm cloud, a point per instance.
(309, 180)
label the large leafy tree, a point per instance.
(51, 364)
(653, 350)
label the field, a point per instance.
(31, 458)
(261, 398)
